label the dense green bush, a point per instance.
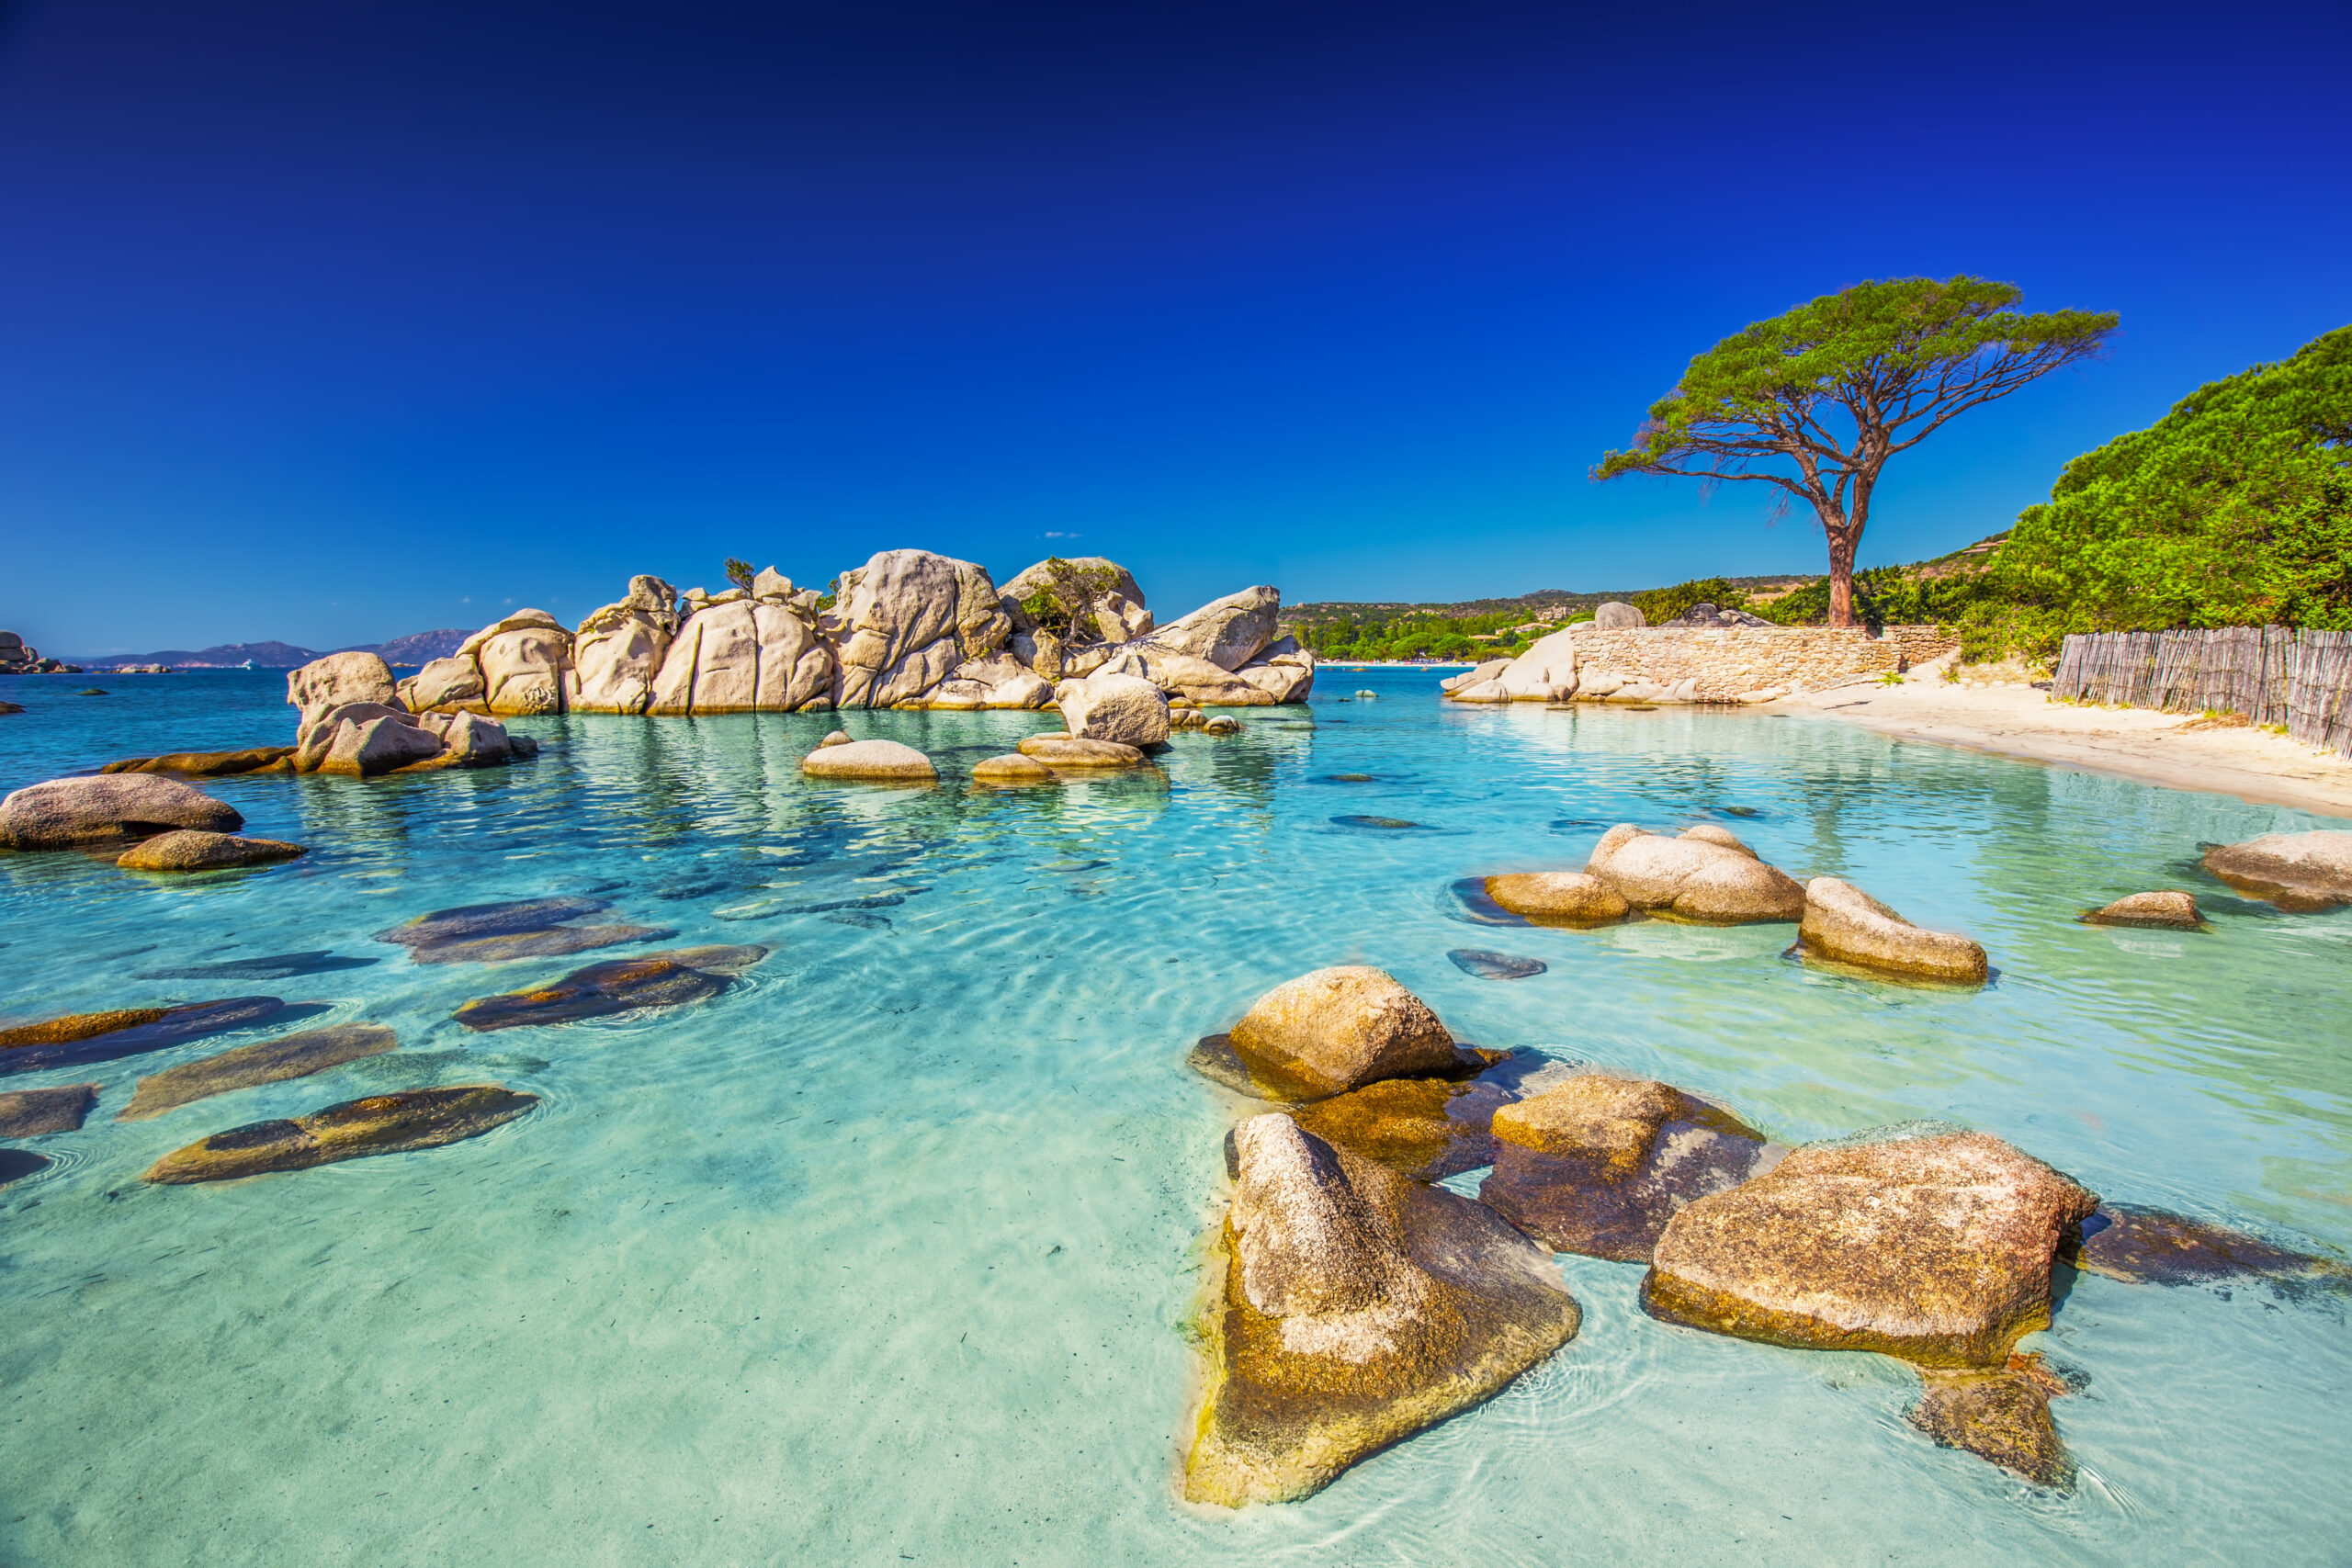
(1660, 605)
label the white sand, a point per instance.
(2157, 748)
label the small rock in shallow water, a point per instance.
(2149, 1246)
(1488, 965)
(1559, 897)
(29, 1112)
(126, 1032)
(17, 1164)
(2167, 908)
(875, 761)
(653, 980)
(1356, 1308)
(2002, 1415)
(271, 1061)
(2299, 872)
(1847, 925)
(1223, 724)
(1339, 1029)
(379, 1124)
(1375, 824)
(1597, 1163)
(1012, 768)
(187, 849)
(835, 737)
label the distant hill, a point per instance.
(415, 649)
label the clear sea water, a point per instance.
(887, 1255)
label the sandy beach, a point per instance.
(2178, 750)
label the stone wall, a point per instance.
(1731, 662)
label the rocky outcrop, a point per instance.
(271, 1061)
(617, 652)
(905, 619)
(1228, 632)
(365, 739)
(492, 933)
(109, 809)
(655, 980)
(1125, 709)
(124, 1032)
(206, 764)
(1356, 1308)
(1598, 1164)
(32, 1113)
(1476, 676)
(1282, 672)
(1559, 897)
(1338, 1029)
(1934, 1246)
(2300, 871)
(2174, 909)
(379, 1125)
(338, 679)
(885, 761)
(1706, 874)
(188, 849)
(1847, 926)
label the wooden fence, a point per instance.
(2271, 674)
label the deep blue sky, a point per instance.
(334, 320)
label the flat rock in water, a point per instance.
(881, 762)
(1490, 965)
(1427, 1129)
(1356, 1308)
(126, 1032)
(1071, 751)
(29, 1112)
(1558, 897)
(1012, 769)
(205, 764)
(379, 1124)
(1598, 1164)
(2297, 872)
(2172, 910)
(2150, 1247)
(2001, 1415)
(1934, 1247)
(187, 849)
(552, 942)
(271, 1061)
(653, 980)
(1847, 926)
(489, 920)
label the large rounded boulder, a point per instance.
(1338, 1029)
(1847, 925)
(1706, 874)
(111, 807)
(2295, 871)
(1126, 709)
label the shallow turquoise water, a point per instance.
(887, 1255)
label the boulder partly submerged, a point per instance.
(2001, 1414)
(379, 1124)
(1847, 926)
(1012, 768)
(30, 1112)
(1929, 1244)
(2297, 872)
(2153, 1246)
(1357, 1307)
(2171, 909)
(1427, 1129)
(270, 1061)
(1074, 751)
(1706, 874)
(190, 849)
(880, 762)
(1598, 1164)
(207, 764)
(1559, 897)
(1332, 1030)
(654, 980)
(125, 1032)
(527, 928)
(109, 809)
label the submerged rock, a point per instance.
(1012, 769)
(187, 849)
(2002, 1415)
(2175, 909)
(1705, 875)
(17, 1164)
(379, 1124)
(1356, 1308)
(1598, 1164)
(2150, 1247)
(1072, 751)
(63, 813)
(1223, 724)
(492, 933)
(881, 761)
(1338, 1029)
(655, 980)
(271, 1061)
(1427, 1129)
(29, 1112)
(1489, 965)
(1934, 1247)
(205, 764)
(1559, 897)
(1844, 923)
(124, 1032)
(2297, 872)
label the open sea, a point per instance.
(887, 1255)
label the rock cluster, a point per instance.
(1718, 661)
(1705, 875)
(358, 721)
(909, 629)
(16, 658)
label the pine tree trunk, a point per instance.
(1841, 576)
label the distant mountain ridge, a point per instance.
(415, 649)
